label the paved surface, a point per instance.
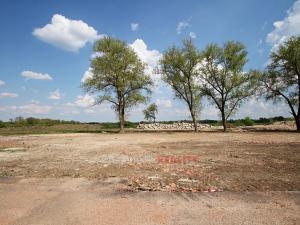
(66, 201)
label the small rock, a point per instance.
(144, 188)
(153, 178)
(173, 185)
(162, 184)
(187, 180)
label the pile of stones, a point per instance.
(172, 126)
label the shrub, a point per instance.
(248, 121)
(2, 124)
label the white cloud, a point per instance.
(182, 112)
(151, 57)
(34, 102)
(87, 75)
(84, 101)
(74, 112)
(89, 111)
(34, 109)
(209, 111)
(134, 26)
(192, 35)
(70, 35)
(2, 83)
(96, 54)
(55, 95)
(30, 109)
(8, 95)
(182, 25)
(30, 75)
(256, 108)
(289, 26)
(69, 104)
(11, 109)
(166, 103)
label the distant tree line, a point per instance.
(32, 121)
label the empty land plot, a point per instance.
(150, 178)
(247, 161)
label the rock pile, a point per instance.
(172, 126)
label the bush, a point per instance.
(32, 121)
(109, 125)
(2, 124)
(239, 123)
(278, 118)
(263, 120)
(248, 121)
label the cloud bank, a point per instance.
(283, 29)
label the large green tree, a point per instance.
(224, 80)
(282, 77)
(118, 77)
(150, 112)
(178, 67)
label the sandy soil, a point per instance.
(150, 178)
(70, 201)
(254, 161)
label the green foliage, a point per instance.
(31, 121)
(61, 126)
(224, 81)
(248, 121)
(282, 77)
(264, 121)
(118, 76)
(2, 124)
(178, 67)
(109, 125)
(150, 112)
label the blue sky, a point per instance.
(46, 47)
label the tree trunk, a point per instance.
(224, 122)
(122, 120)
(297, 119)
(121, 124)
(194, 122)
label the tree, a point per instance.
(32, 120)
(248, 121)
(224, 81)
(178, 67)
(2, 124)
(118, 77)
(150, 112)
(282, 77)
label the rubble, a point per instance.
(172, 126)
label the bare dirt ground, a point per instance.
(151, 178)
(70, 201)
